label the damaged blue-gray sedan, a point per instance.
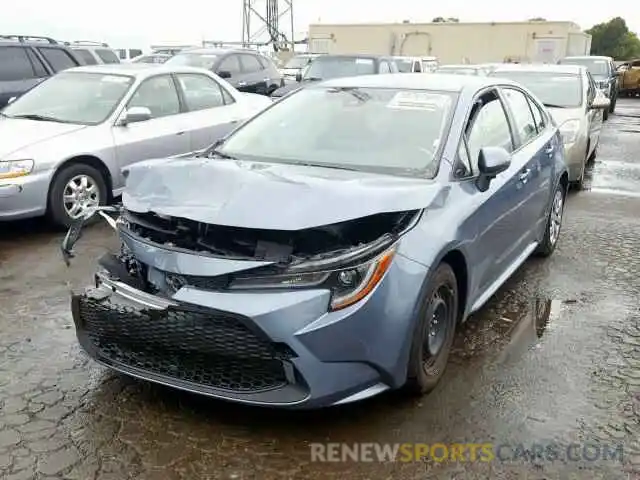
(325, 251)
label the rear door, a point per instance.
(211, 111)
(164, 135)
(595, 116)
(533, 155)
(20, 70)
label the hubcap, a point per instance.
(438, 323)
(80, 194)
(555, 220)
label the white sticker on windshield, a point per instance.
(364, 61)
(418, 101)
(115, 79)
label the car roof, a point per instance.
(462, 65)
(140, 70)
(219, 51)
(587, 57)
(561, 69)
(417, 81)
(357, 55)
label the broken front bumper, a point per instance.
(279, 349)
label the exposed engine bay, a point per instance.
(277, 246)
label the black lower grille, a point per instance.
(209, 348)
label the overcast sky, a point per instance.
(138, 22)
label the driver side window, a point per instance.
(488, 126)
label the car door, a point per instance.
(533, 155)
(211, 111)
(231, 68)
(498, 210)
(254, 74)
(594, 116)
(163, 135)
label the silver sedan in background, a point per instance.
(576, 105)
(63, 143)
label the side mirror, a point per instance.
(224, 74)
(600, 102)
(491, 162)
(298, 77)
(136, 115)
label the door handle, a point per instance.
(242, 84)
(524, 175)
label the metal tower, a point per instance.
(262, 23)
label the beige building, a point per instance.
(535, 41)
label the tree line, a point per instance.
(611, 39)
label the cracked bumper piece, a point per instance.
(279, 349)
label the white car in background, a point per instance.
(574, 102)
(64, 142)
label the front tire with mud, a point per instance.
(434, 332)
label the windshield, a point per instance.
(297, 62)
(200, 60)
(378, 130)
(73, 97)
(334, 67)
(404, 65)
(552, 89)
(457, 70)
(597, 68)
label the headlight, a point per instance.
(15, 168)
(569, 131)
(347, 285)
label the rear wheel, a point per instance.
(612, 107)
(434, 332)
(605, 114)
(554, 223)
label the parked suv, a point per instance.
(26, 60)
(603, 71)
(247, 70)
(94, 53)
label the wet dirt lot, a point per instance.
(554, 357)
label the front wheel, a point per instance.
(75, 189)
(612, 106)
(605, 115)
(554, 224)
(434, 332)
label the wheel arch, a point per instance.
(92, 161)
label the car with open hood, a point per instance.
(326, 250)
(63, 143)
(326, 67)
(575, 103)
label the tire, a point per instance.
(605, 115)
(57, 212)
(612, 107)
(551, 235)
(440, 302)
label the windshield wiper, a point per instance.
(37, 117)
(553, 105)
(324, 165)
(313, 79)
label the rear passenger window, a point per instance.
(538, 116)
(489, 128)
(107, 56)
(14, 64)
(525, 123)
(58, 58)
(38, 66)
(230, 64)
(86, 57)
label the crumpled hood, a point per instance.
(269, 196)
(16, 134)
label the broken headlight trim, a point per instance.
(347, 285)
